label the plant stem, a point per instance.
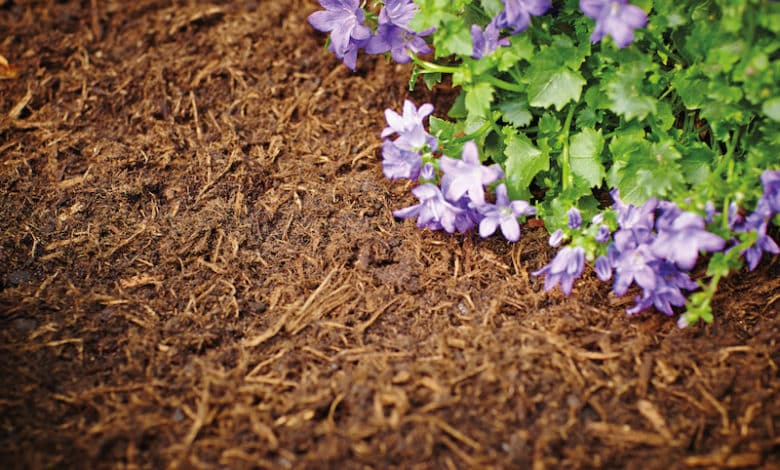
(566, 176)
(487, 125)
(495, 81)
(498, 83)
(431, 67)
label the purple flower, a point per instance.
(467, 176)
(764, 243)
(603, 268)
(399, 163)
(563, 269)
(618, 18)
(635, 218)
(575, 218)
(669, 281)
(771, 182)
(409, 127)
(603, 234)
(634, 266)
(350, 56)
(681, 240)
(486, 42)
(344, 20)
(433, 211)
(398, 41)
(397, 12)
(517, 13)
(662, 298)
(504, 214)
(556, 238)
(428, 172)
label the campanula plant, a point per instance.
(670, 108)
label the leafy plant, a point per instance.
(670, 107)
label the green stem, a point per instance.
(567, 177)
(431, 67)
(487, 125)
(495, 81)
(498, 83)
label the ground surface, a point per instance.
(199, 268)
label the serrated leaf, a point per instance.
(430, 14)
(520, 48)
(431, 79)
(585, 156)
(492, 7)
(555, 88)
(695, 163)
(523, 162)
(690, 87)
(458, 109)
(478, 99)
(441, 129)
(516, 113)
(453, 37)
(655, 174)
(626, 97)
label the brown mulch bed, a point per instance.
(199, 268)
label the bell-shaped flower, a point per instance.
(771, 182)
(487, 41)
(398, 41)
(616, 18)
(504, 214)
(409, 127)
(343, 19)
(681, 241)
(634, 266)
(517, 13)
(467, 175)
(399, 163)
(563, 269)
(433, 211)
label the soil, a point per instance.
(199, 268)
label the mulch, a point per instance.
(199, 268)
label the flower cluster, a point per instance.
(345, 21)
(458, 203)
(680, 142)
(656, 245)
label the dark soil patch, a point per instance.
(199, 268)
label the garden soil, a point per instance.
(199, 268)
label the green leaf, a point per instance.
(691, 87)
(492, 7)
(585, 156)
(521, 48)
(523, 162)
(478, 99)
(453, 37)
(549, 124)
(626, 96)
(696, 162)
(771, 108)
(441, 129)
(430, 14)
(431, 79)
(515, 112)
(649, 170)
(555, 88)
(458, 109)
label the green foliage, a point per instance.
(690, 112)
